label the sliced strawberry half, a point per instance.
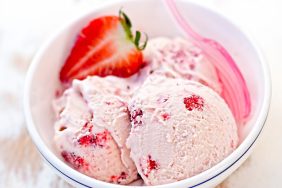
(106, 46)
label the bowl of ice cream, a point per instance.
(165, 125)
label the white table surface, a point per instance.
(25, 24)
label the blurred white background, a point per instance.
(25, 24)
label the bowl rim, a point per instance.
(194, 181)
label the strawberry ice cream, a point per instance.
(179, 58)
(92, 127)
(179, 129)
(156, 112)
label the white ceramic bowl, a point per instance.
(150, 16)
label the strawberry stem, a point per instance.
(126, 24)
(137, 41)
(125, 17)
(137, 38)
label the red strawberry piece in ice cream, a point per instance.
(165, 116)
(150, 165)
(76, 161)
(98, 139)
(136, 117)
(194, 102)
(117, 179)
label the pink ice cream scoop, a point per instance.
(92, 127)
(179, 58)
(179, 129)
